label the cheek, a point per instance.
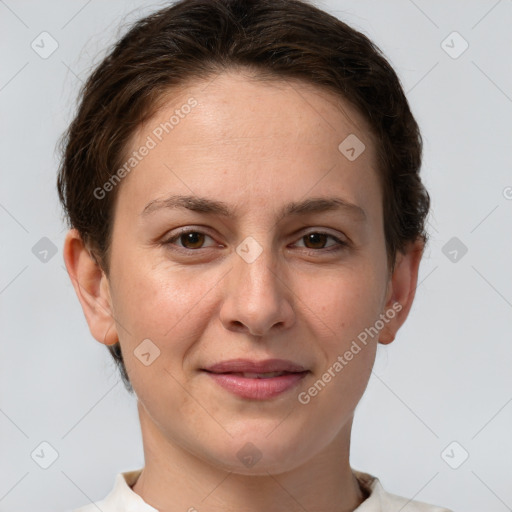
(341, 308)
(157, 302)
(170, 307)
(172, 310)
(344, 300)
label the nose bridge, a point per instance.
(257, 263)
(255, 269)
(256, 296)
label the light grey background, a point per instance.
(447, 377)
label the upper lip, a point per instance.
(246, 365)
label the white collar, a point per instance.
(123, 499)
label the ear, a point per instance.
(401, 290)
(92, 288)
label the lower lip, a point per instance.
(257, 389)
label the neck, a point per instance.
(175, 479)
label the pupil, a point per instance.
(316, 238)
(193, 238)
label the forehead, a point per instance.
(238, 137)
(258, 106)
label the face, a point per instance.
(280, 254)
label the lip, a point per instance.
(227, 375)
(257, 389)
(249, 366)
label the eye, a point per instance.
(190, 239)
(317, 239)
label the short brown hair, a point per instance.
(194, 39)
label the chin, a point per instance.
(258, 452)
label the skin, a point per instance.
(256, 146)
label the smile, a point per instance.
(257, 386)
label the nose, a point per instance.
(258, 297)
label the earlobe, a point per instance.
(401, 290)
(92, 288)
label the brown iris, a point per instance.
(193, 238)
(316, 238)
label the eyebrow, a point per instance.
(214, 207)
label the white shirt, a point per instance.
(123, 499)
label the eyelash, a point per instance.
(340, 244)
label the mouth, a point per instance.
(253, 369)
(248, 375)
(257, 380)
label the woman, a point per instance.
(247, 222)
